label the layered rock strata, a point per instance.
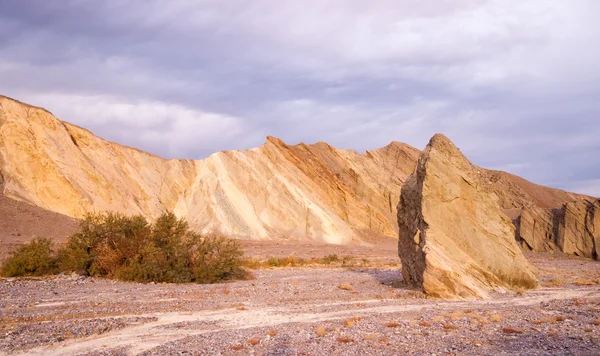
(455, 242)
(275, 191)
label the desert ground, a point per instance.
(357, 305)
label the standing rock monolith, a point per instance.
(455, 242)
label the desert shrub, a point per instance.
(35, 258)
(105, 242)
(216, 258)
(129, 248)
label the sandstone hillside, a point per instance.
(273, 191)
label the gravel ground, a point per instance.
(301, 311)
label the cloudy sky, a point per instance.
(514, 83)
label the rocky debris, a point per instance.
(29, 335)
(291, 311)
(455, 242)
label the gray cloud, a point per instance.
(513, 83)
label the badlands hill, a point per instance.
(275, 191)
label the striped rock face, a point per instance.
(275, 191)
(455, 241)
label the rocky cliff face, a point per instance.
(548, 220)
(577, 228)
(274, 191)
(455, 242)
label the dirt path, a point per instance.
(137, 339)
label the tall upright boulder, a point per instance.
(455, 242)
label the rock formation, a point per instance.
(546, 219)
(455, 242)
(535, 229)
(578, 228)
(274, 191)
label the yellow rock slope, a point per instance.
(273, 191)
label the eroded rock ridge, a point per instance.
(275, 191)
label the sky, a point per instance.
(514, 83)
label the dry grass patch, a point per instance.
(455, 315)
(584, 282)
(508, 330)
(344, 340)
(596, 322)
(253, 341)
(450, 327)
(555, 281)
(495, 318)
(238, 347)
(548, 320)
(438, 319)
(392, 325)
(351, 322)
(272, 333)
(345, 286)
(320, 331)
(370, 337)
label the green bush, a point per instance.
(129, 248)
(35, 258)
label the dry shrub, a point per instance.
(392, 325)
(384, 341)
(242, 308)
(549, 320)
(272, 333)
(351, 322)
(253, 341)
(370, 337)
(344, 340)
(495, 318)
(238, 347)
(129, 248)
(424, 323)
(596, 322)
(450, 327)
(555, 281)
(455, 315)
(508, 330)
(293, 261)
(35, 258)
(345, 286)
(320, 331)
(584, 282)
